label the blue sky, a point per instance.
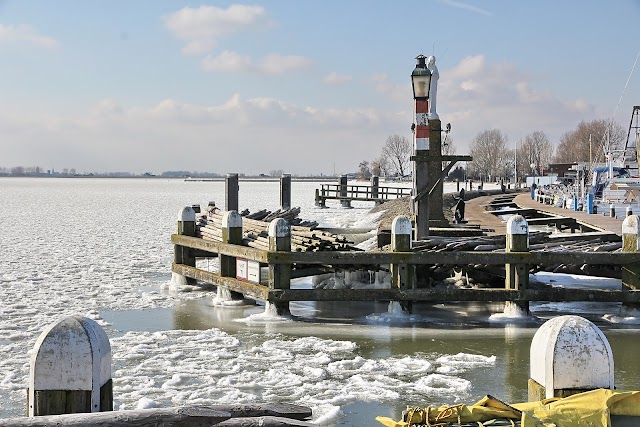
(306, 87)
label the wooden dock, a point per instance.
(346, 193)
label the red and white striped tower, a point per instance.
(421, 81)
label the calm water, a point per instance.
(101, 248)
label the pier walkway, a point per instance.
(477, 214)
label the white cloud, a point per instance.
(280, 64)
(24, 34)
(228, 61)
(200, 28)
(334, 78)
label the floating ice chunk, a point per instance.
(146, 403)
(512, 313)
(442, 385)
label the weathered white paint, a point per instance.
(422, 119)
(73, 353)
(517, 224)
(422, 143)
(570, 352)
(433, 89)
(401, 225)
(630, 225)
(187, 214)
(231, 219)
(279, 227)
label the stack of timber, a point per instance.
(255, 234)
(538, 242)
(291, 215)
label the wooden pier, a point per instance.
(366, 193)
(265, 274)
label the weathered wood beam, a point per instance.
(455, 294)
(192, 416)
(218, 247)
(248, 289)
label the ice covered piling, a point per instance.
(569, 355)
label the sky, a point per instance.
(300, 86)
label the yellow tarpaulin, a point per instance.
(589, 409)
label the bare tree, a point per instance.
(489, 151)
(396, 152)
(448, 149)
(365, 172)
(534, 153)
(380, 166)
(574, 145)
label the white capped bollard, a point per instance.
(403, 276)
(186, 227)
(280, 274)
(231, 234)
(631, 243)
(569, 355)
(517, 275)
(70, 369)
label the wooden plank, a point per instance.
(451, 258)
(551, 220)
(274, 414)
(248, 289)
(218, 247)
(455, 294)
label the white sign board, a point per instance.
(241, 268)
(254, 272)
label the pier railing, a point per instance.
(367, 193)
(282, 265)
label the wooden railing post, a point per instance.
(517, 275)
(375, 185)
(280, 274)
(231, 189)
(403, 276)
(231, 234)
(569, 355)
(186, 227)
(345, 203)
(70, 369)
(285, 191)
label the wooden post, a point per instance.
(70, 369)
(517, 275)
(569, 355)
(285, 191)
(231, 189)
(280, 274)
(186, 227)
(629, 211)
(375, 186)
(631, 243)
(612, 210)
(196, 208)
(345, 203)
(231, 234)
(402, 275)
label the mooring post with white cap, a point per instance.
(629, 211)
(569, 355)
(631, 243)
(231, 234)
(517, 275)
(344, 201)
(70, 369)
(375, 188)
(186, 227)
(403, 276)
(285, 191)
(231, 189)
(280, 274)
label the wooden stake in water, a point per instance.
(70, 369)
(403, 276)
(186, 227)
(569, 355)
(517, 275)
(232, 234)
(631, 243)
(280, 274)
